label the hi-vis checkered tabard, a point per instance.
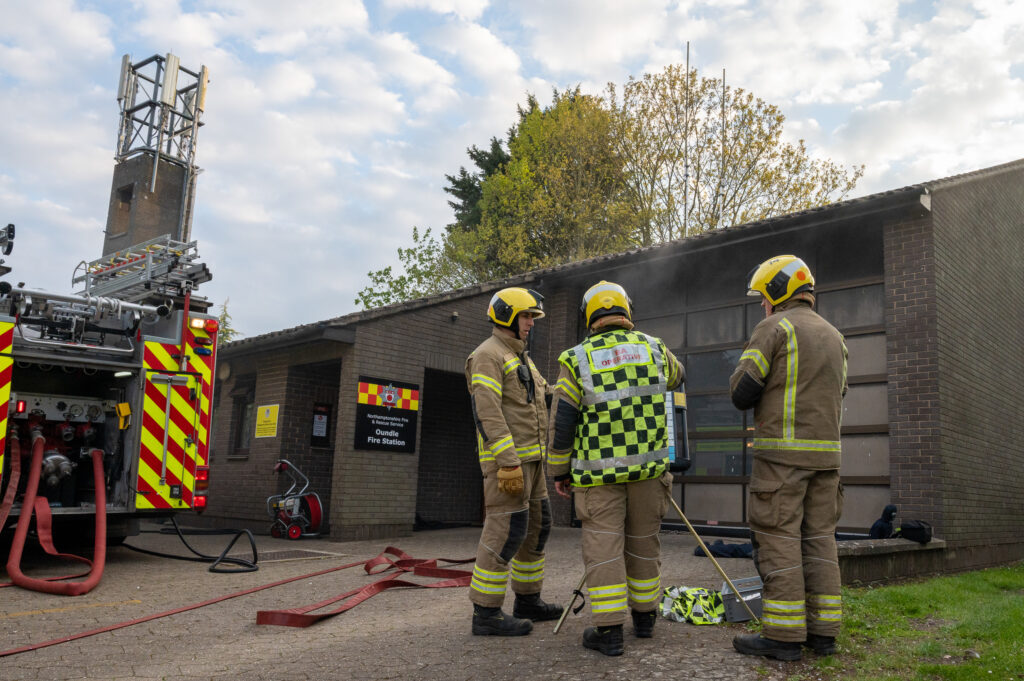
(621, 435)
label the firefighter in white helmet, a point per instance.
(509, 399)
(793, 374)
(609, 448)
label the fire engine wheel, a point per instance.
(294, 531)
(275, 531)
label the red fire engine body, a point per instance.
(124, 366)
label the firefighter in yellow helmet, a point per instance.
(509, 399)
(608, 449)
(793, 374)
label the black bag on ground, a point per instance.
(914, 530)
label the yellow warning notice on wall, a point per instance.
(266, 420)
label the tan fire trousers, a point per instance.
(621, 546)
(793, 514)
(516, 528)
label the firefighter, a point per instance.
(792, 372)
(509, 399)
(609, 450)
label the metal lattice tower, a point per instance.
(161, 106)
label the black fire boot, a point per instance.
(822, 645)
(753, 644)
(494, 622)
(606, 640)
(643, 623)
(531, 607)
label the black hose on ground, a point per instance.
(243, 564)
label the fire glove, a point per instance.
(510, 480)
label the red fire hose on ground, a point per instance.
(302, 617)
(32, 504)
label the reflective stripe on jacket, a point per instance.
(510, 427)
(800, 360)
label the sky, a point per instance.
(330, 124)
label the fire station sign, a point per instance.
(386, 414)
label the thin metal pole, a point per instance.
(576, 593)
(707, 553)
(686, 146)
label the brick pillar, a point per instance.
(915, 461)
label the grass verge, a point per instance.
(953, 628)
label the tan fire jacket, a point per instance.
(797, 362)
(511, 426)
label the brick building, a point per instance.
(925, 283)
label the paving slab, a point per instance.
(398, 634)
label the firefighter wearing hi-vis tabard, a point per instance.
(509, 398)
(793, 373)
(609, 448)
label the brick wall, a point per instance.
(916, 484)
(979, 272)
(374, 493)
(239, 486)
(309, 384)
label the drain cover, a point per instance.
(291, 554)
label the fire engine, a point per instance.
(106, 394)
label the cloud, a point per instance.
(589, 38)
(478, 50)
(45, 41)
(959, 98)
(465, 9)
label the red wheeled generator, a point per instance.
(298, 512)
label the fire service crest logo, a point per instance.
(386, 414)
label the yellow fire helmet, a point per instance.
(778, 278)
(605, 298)
(509, 302)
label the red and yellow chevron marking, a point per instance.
(6, 364)
(203, 366)
(378, 395)
(187, 441)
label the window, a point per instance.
(711, 370)
(713, 327)
(243, 415)
(716, 458)
(669, 329)
(853, 307)
(712, 413)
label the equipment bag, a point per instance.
(692, 604)
(914, 530)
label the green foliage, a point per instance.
(560, 197)
(226, 331)
(700, 155)
(427, 270)
(466, 186)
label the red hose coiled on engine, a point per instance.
(41, 508)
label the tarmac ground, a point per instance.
(398, 634)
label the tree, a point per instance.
(466, 186)
(700, 156)
(225, 329)
(427, 271)
(561, 196)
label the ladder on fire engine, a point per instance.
(160, 267)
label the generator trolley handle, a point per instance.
(286, 466)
